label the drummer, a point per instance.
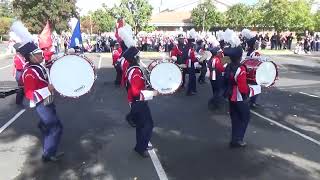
(39, 93)
(238, 94)
(137, 98)
(191, 64)
(252, 53)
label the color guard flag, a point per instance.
(76, 39)
(45, 38)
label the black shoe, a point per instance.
(143, 154)
(149, 148)
(191, 94)
(130, 121)
(254, 105)
(55, 158)
(239, 144)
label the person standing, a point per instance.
(191, 64)
(137, 98)
(289, 39)
(116, 54)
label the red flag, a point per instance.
(119, 24)
(45, 38)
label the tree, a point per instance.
(5, 23)
(104, 20)
(301, 17)
(238, 16)
(277, 14)
(205, 15)
(35, 13)
(87, 25)
(137, 13)
(316, 19)
(6, 9)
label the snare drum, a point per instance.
(263, 73)
(165, 76)
(72, 75)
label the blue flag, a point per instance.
(76, 39)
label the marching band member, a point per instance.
(19, 64)
(237, 90)
(201, 51)
(215, 70)
(39, 93)
(252, 53)
(47, 55)
(116, 53)
(137, 98)
(191, 64)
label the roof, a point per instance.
(171, 18)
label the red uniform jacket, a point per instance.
(35, 81)
(19, 62)
(241, 86)
(116, 55)
(191, 57)
(124, 67)
(215, 66)
(136, 86)
(175, 51)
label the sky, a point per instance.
(87, 5)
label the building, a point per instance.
(172, 15)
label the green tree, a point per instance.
(206, 16)
(35, 13)
(301, 17)
(6, 9)
(316, 19)
(137, 13)
(5, 23)
(238, 16)
(104, 20)
(277, 14)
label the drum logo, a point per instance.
(166, 89)
(80, 88)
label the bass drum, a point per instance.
(72, 75)
(263, 73)
(165, 76)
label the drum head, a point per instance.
(266, 74)
(166, 78)
(72, 76)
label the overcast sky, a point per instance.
(87, 5)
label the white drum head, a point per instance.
(166, 78)
(266, 74)
(72, 76)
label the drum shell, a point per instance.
(252, 66)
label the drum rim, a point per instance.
(91, 64)
(180, 81)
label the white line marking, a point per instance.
(157, 165)
(99, 66)
(287, 128)
(6, 66)
(12, 120)
(311, 95)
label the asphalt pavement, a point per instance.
(190, 140)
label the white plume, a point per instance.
(193, 33)
(247, 33)
(220, 35)
(14, 37)
(126, 35)
(72, 23)
(21, 32)
(231, 37)
(212, 40)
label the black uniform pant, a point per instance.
(192, 84)
(240, 117)
(20, 92)
(50, 127)
(144, 124)
(118, 76)
(253, 99)
(203, 72)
